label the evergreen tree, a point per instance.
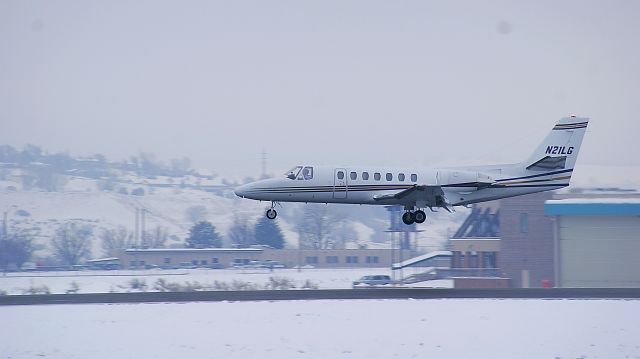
(203, 235)
(267, 232)
(15, 248)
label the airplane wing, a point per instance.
(430, 196)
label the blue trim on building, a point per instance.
(591, 209)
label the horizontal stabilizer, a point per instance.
(548, 164)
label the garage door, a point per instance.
(601, 251)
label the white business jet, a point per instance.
(548, 168)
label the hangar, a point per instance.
(596, 241)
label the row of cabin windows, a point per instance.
(377, 176)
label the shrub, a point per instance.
(138, 191)
(138, 284)
(310, 285)
(280, 283)
(23, 213)
(33, 290)
(74, 288)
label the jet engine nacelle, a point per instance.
(474, 179)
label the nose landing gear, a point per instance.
(271, 212)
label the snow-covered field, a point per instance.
(119, 281)
(464, 328)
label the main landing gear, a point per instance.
(271, 212)
(410, 217)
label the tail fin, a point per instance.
(559, 150)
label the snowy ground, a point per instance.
(119, 281)
(461, 328)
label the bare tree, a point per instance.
(72, 241)
(344, 233)
(157, 238)
(316, 227)
(241, 233)
(115, 240)
(196, 214)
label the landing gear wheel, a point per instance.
(408, 218)
(419, 216)
(271, 213)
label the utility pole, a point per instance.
(135, 234)
(144, 238)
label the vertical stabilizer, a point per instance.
(559, 150)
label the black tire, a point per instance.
(408, 218)
(271, 213)
(419, 216)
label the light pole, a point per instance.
(299, 252)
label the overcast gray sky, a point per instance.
(329, 82)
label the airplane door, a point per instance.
(340, 183)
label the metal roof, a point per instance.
(189, 250)
(593, 207)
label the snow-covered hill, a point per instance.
(166, 202)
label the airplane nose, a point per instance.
(241, 191)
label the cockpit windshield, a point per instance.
(300, 173)
(293, 173)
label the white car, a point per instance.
(373, 281)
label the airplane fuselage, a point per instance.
(549, 167)
(369, 185)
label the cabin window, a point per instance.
(340, 175)
(401, 177)
(414, 177)
(389, 176)
(376, 176)
(354, 176)
(365, 176)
